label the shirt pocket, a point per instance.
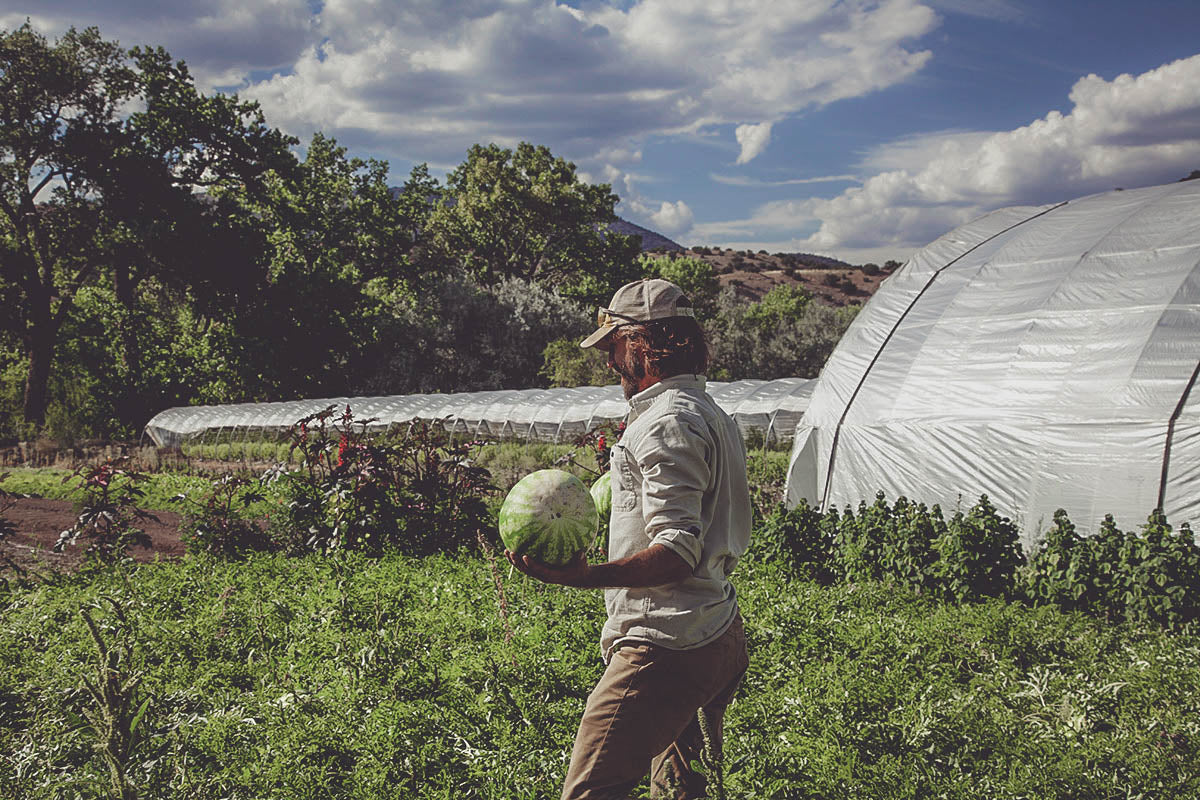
(624, 488)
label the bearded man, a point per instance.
(673, 645)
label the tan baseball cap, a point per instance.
(640, 301)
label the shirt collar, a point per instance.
(642, 400)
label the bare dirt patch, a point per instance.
(38, 522)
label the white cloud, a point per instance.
(742, 180)
(222, 41)
(672, 218)
(753, 140)
(422, 80)
(1130, 131)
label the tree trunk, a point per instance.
(41, 354)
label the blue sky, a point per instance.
(860, 130)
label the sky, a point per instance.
(858, 130)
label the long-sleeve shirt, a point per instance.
(679, 480)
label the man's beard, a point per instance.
(631, 374)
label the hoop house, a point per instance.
(767, 409)
(1044, 356)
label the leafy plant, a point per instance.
(115, 716)
(109, 512)
(411, 490)
(218, 522)
(1062, 571)
(978, 554)
(800, 540)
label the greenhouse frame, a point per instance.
(766, 412)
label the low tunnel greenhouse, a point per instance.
(766, 412)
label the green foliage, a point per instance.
(159, 491)
(783, 335)
(1151, 577)
(114, 716)
(524, 214)
(978, 554)
(220, 521)
(892, 542)
(411, 491)
(459, 335)
(350, 677)
(108, 512)
(116, 192)
(800, 541)
(565, 363)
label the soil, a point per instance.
(38, 523)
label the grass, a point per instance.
(348, 677)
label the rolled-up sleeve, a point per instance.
(674, 461)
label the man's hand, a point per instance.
(574, 573)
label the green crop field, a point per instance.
(880, 667)
(346, 676)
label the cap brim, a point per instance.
(598, 335)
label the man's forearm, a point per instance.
(655, 566)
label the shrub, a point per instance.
(217, 521)
(978, 554)
(1151, 577)
(799, 540)
(406, 490)
(1062, 572)
(882, 542)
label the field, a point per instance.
(277, 676)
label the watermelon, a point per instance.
(602, 495)
(549, 516)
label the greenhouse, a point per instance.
(767, 412)
(1044, 356)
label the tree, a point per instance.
(694, 276)
(524, 214)
(783, 335)
(458, 335)
(87, 192)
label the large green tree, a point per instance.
(91, 193)
(525, 214)
(338, 246)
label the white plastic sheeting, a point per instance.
(1046, 357)
(770, 409)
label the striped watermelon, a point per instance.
(602, 495)
(549, 516)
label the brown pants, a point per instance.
(641, 717)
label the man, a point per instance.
(673, 643)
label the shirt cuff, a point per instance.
(685, 544)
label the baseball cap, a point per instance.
(639, 301)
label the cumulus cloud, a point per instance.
(409, 78)
(672, 218)
(753, 140)
(1129, 131)
(222, 41)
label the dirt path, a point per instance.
(39, 522)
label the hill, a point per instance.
(752, 274)
(650, 240)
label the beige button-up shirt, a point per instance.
(679, 480)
